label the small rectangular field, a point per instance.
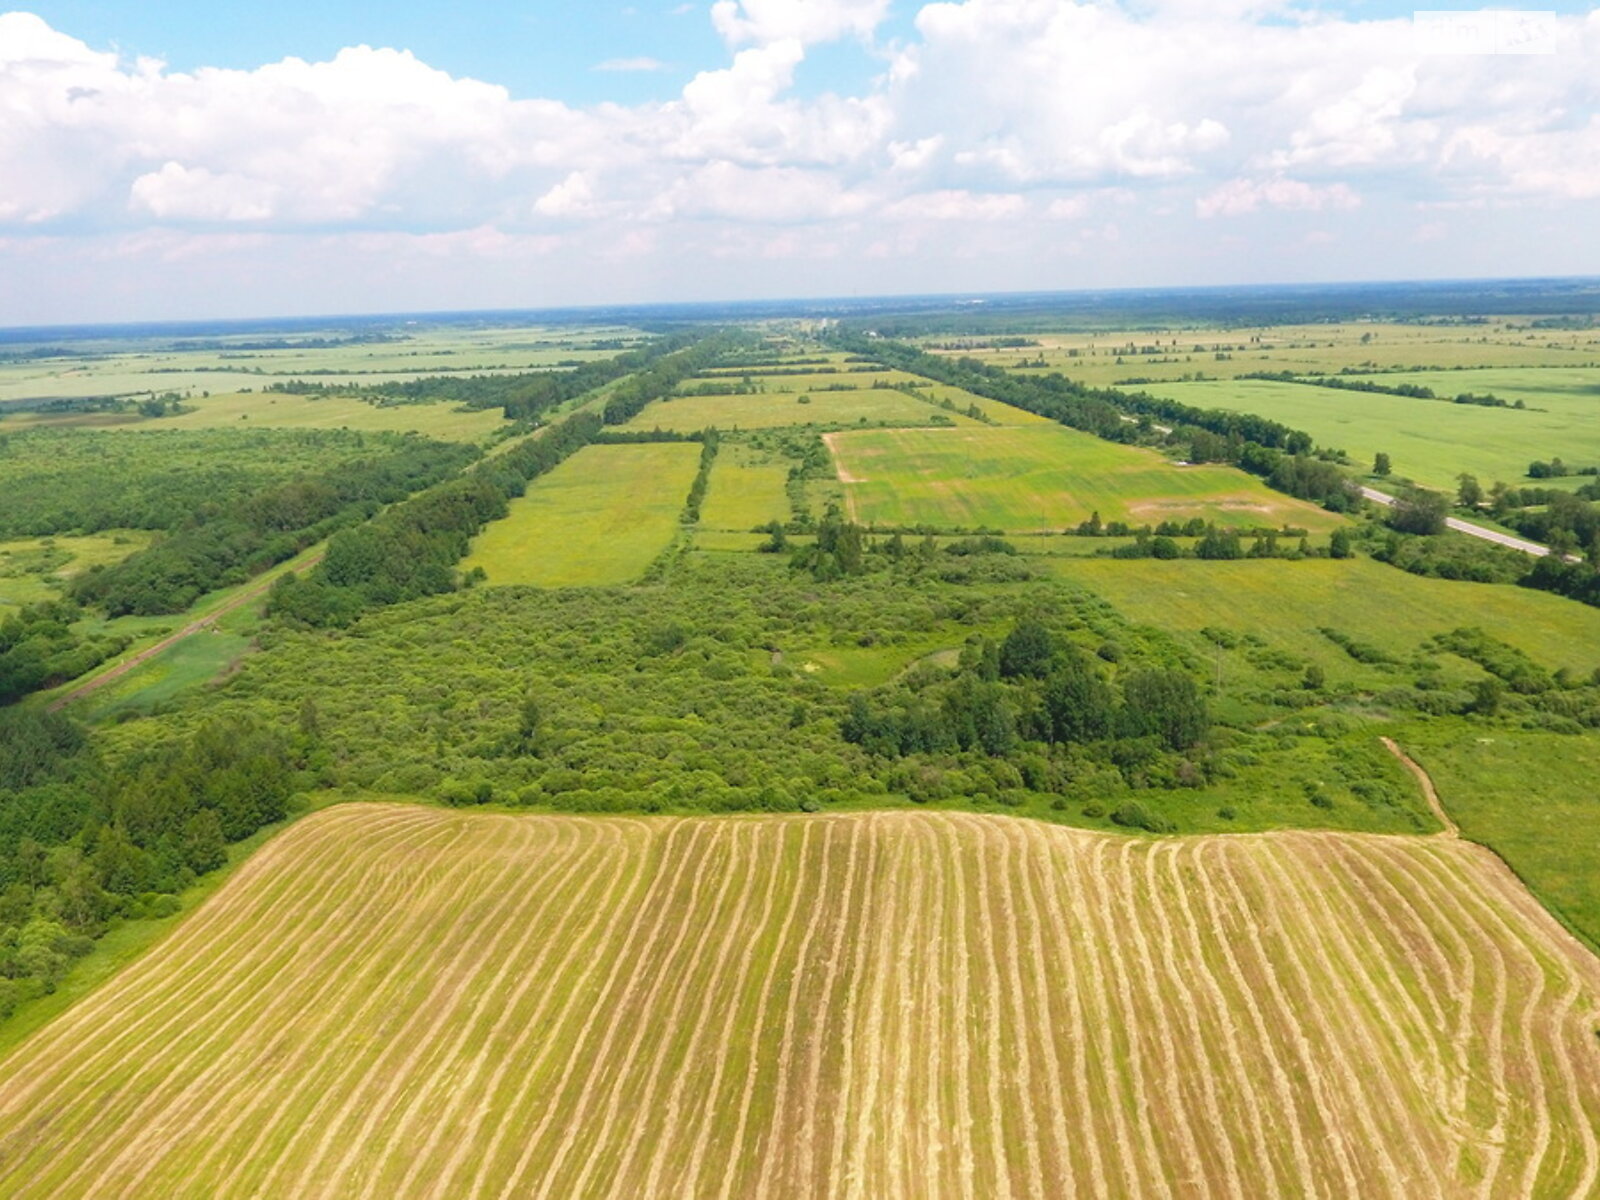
(1043, 477)
(599, 518)
(1430, 441)
(747, 489)
(391, 1000)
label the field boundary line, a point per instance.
(1429, 793)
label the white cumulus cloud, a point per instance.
(1240, 196)
(987, 114)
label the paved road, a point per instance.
(1468, 528)
(1455, 523)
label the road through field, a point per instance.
(233, 603)
(398, 1000)
(1468, 528)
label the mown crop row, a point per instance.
(401, 1001)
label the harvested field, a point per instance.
(396, 1001)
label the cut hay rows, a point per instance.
(397, 1001)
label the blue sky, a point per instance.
(548, 49)
(175, 159)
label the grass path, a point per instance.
(395, 1000)
(253, 590)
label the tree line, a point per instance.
(1281, 456)
(411, 549)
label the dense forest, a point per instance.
(225, 507)
(82, 844)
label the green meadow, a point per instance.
(1530, 797)
(775, 410)
(1045, 477)
(33, 569)
(1286, 603)
(746, 489)
(598, 518)
(1430, 441)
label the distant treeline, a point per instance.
(1278, 454)
(216, 548)
(1415, 391)
(412, 549)
(526, 396)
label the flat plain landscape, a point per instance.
(597, 519)
(1043, 478)
(810, 858)
(875, 1005)
(1431, 441)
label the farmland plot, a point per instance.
(598, 518)
(398, 1001)
(1430, 441)
(1033, 478)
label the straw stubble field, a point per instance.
(393, 1000)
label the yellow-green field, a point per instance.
(273, 410)
(773, 410)
(746, 490)
(31, 569)
(230, 363)
(1104, 357)
(1044, 477)
(598, 518)
(391, 1000)
(1286, 603)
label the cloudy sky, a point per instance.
(180, 159)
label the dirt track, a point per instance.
(189, 630)
(401, 1001)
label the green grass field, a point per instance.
(775, 410)
(746, 490)
(994, 410)
(1101, 357)
(1529, 796)
(1428, 440)
(1286, 603)
(1043, 477)
(598, 518)
(191, 663)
